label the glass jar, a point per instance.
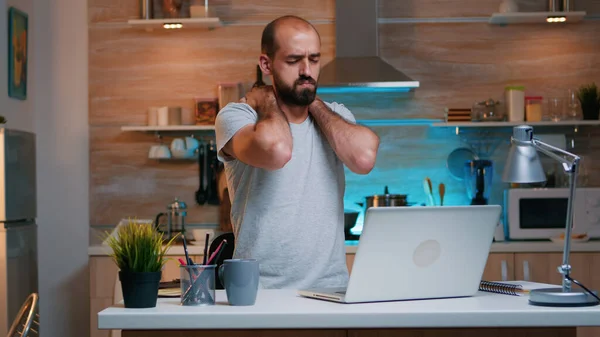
(573, 106)
(556, 108)
(488, 110)
(533, 108)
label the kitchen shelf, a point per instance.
(509, 124)
(366, 122)
(534, 17)
(397, 122)
(152, 128)
(150, 24)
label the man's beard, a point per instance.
(293, 95)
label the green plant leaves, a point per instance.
(138, 247)
(589, 94)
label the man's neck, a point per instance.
(295, 114)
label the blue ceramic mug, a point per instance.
(240, 280)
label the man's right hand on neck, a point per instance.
(260, 99)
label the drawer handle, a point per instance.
(526, 270)
(504, 270)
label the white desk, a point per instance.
(283, 309)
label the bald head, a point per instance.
(283, 26)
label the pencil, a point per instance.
(205, 249)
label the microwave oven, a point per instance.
(541, 213)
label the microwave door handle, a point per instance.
(526, 270)
(504, 270)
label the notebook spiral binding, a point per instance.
(500, 288)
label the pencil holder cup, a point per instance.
(197, 284)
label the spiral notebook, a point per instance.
(515, 288)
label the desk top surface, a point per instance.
(284, 309)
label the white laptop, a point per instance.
(410, 253)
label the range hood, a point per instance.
(357, 66)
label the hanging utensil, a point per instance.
(442, 190)
(212, 190)
(201, 192)
(427, 187)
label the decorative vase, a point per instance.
(590, 111)
(140, 289)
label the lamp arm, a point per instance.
(550, 150)
(571, 166)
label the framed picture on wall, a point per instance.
(17, 53)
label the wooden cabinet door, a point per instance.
(499, 267)
(542, 267)
(538, 267)
(171, 269)
(349, 262)
(103, 273)
(586, 270)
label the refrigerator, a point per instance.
(18, 230)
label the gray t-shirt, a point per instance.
(292, 219)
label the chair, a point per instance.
(27, 322)
(227, 253)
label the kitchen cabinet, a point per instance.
(511, 124)
(540, 267)
(103, 275)
(499, 267)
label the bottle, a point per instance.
(259, 81)
(515, 103)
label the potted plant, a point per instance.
(2, 120)
(589, 97)
(139, 252)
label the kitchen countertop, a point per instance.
(197, 248)
(521, 247)
(284, 309)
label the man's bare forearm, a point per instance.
(272, 131)
(355, 145)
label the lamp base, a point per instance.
(555, 297)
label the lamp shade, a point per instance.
(523, 163)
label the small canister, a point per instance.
(533, 108)
(515, 103)
(488, 110)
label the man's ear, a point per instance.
(265, 64)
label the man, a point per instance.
(284, 150)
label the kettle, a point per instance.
(176, 213)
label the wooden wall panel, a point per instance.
(112, 10)
(231, 11)
(131, 70)
(467, 8)
(267, 10)
(124, 182)
(457, 64)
